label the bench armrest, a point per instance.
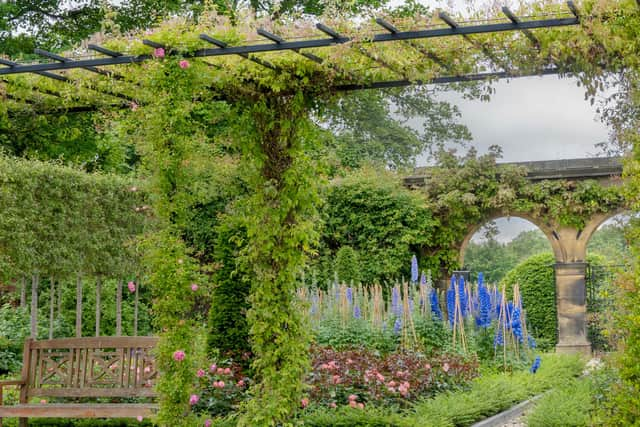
(11, 382)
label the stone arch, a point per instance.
(546, 229)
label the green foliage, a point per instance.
(14, 328)
(347, 265)
(58, 221)
(491, 394)
(228, 330)
(538, 289)
(566, 406)
(610, 242)
(384, 223)
(335, 333)
(353, 417)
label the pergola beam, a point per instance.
(222, 46)
(513, 18)
(334, 38)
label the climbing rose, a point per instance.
(158, 52)
(139, 418)
(304, 402)
(133, 106)
(184, 64)
(213, 368)
(193, 399)
(194, 287)
(200, 373)
(353, 397)
(131, 286)
(178, 355)
(227, 371)
(208, 423)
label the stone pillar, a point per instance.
(572, 308)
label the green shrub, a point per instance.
(383, 222)
(333, 332)
(14, 327)
(228, 331)
(353, 417)
(536, 278)
(347, 265)
(566, 406)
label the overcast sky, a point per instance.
(532, 118)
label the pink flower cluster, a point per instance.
(353, 402)
(178, 355)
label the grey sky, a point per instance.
(533, 118)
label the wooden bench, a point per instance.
(72, 368)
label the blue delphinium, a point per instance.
(350, 296)
(451, 300)
(435, 305)
(532, 341)
(423, 279)
(484, 306)
(356, 312)
(499, 339)
(480, 279)
(396, 308)
(516, 324)
(464, 302)
(397, 326)
(536, 365)
(414, 269)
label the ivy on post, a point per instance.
(281, 230)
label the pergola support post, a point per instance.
(52, 301)
(135, 310)
(23, 292)
(79, 306)
(98, 303)
(35, 281)
(119, 308)
(572, 308)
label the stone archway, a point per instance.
(569, 245)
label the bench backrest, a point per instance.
(90, 367)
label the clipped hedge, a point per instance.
(536, 278)
(59, 220)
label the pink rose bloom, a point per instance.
(200, 373)
(427, 367)
(332, 404)
(220, 371)
(380, 377)
(361, 405)
(353, 397)
(218, 384)
(304, 402)
(43, 401)
(158, 52)
(193, 399)
(131, 286)
(241, 383)
(139, 418)
(337, 379)
(445, 367)
(184, 64)
(208, 423)
(178, 355)
(391, 389)
(227, 371)
(213, 368)
(133, 106)
(194, 287)
(353, 403)
(392, 384)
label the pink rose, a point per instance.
(178, 355)
(220, 371)
(208, 423)
(194, 287)
(353, 403)
(227, 371)
(213, 368)
(337, 379)
(353, 397)
(332, 404)
(184, 64)
(427, 367)
(241, 383)
(200, 373)
(193, 399)
(133, 106)
(139, 418)
(361, 405)
(43, 401)
(158, 52)
(445, 367)
(131, 286)
(304, 402)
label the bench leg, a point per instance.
(23, 422)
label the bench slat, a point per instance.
(96, 342)
(91, 392)
(75, 410)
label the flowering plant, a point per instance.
(221, 387)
